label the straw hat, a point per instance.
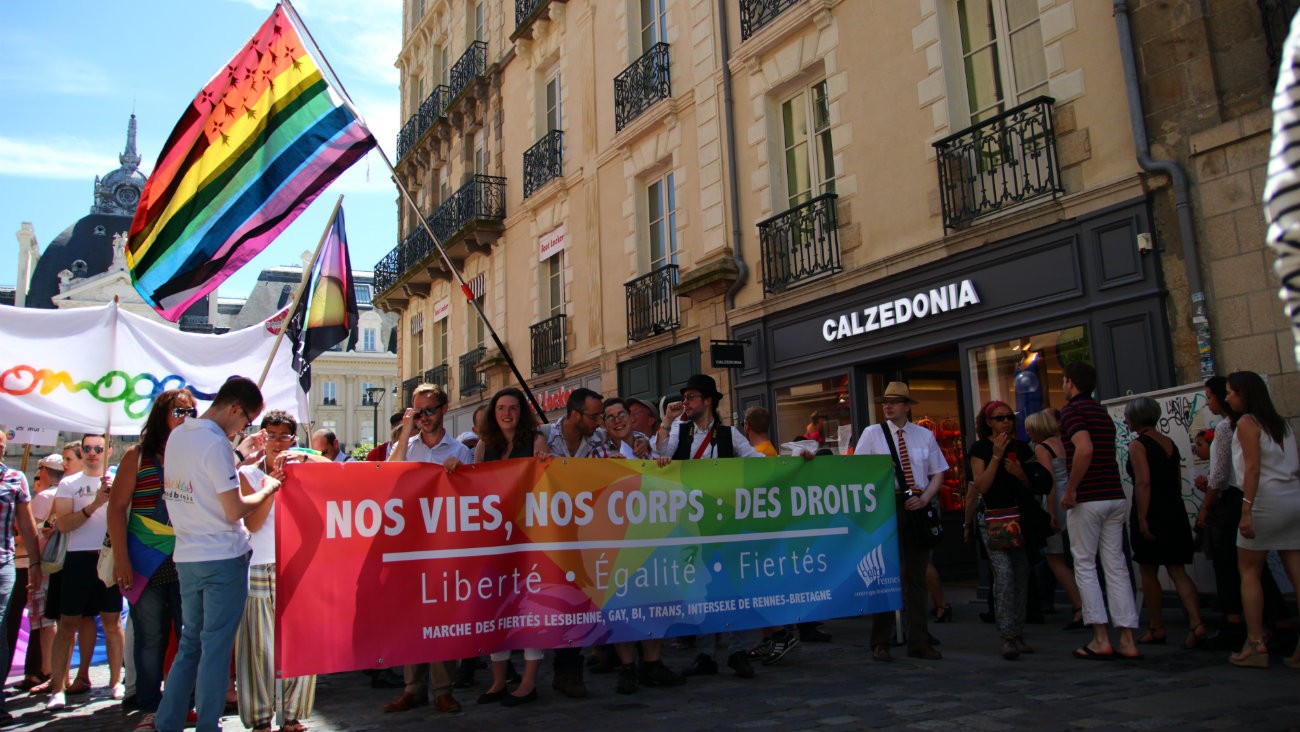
(897, 389)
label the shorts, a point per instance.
(36, 602)
(81, 592)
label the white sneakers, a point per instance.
(56, 701)
(119, 691)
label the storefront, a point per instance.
(998, 322)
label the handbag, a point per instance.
(54, 552)
(1003, 527)
(921, 529)
(1041, 480)
(104, 567)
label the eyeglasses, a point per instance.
(247, 419)
(97, 449)
(616, 416)
(182, 412)
(271, 437)
(691, 397)
(1002, 418)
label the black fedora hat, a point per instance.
(705, 385)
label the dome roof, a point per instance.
(119, 191)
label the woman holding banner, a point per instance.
(510, 431)
(137, 516)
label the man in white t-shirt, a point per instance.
(424, 439)
(201, 488)
(79, 511)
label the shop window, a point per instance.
(815, 410)
(1026, 372)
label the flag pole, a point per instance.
(302, 288)
(334, 81)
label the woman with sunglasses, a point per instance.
(136, 513)
(995, 466)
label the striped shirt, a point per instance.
(13, 491)
(1101, 482)
(1282, 190)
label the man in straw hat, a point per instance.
(923, 464)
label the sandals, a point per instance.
(942, 613)
(1197, 634)
(293, 725)
(263, 727)
(1254, 654)
(1153, 637)
(32, 681)
(80, 686)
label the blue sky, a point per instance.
(72, 72)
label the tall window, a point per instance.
(1002, 54)
(415, 345)
(806, 136)
(478, 22)
(654, 23)
(329, 393)
(366, 399)
(444, 184)
(419, 352)
(475, 331)
(480, 153)
(551, 115)
(440, 342)
(369, 340)
(443, 69)
(661, 210)
(551, 286)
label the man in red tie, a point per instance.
(923, 464)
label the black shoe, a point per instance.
(465, 674)
(704, 665)
(387, 679)
(814, 635)
(739, 662)
(130, 701)
(928, 653)
(510, 700)
(760, 651)
(987, 617)
(492, 697)
(570, 685)
(598, 663)
(930, 637)
(782, 643)
(626, 679)
(655, 673)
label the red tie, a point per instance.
(906, 462)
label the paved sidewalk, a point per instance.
(837, 686)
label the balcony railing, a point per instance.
(800, 244)
(754, 14)
(471, 381)
(548, 345)
(433, 108)
(438, 375)
(471, 65)
(543, 162)
(524, 10)
(998, 164)
(408, 391)
(652, 303)
(640, 85)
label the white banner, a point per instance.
(88, 369)
(40, 436)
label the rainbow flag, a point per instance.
(327, 311)
(258, 144)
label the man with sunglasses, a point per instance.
(201, 487)
(424, 439)
(923, 465)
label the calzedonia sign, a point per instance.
(889, 313)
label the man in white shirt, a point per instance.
(924, 465)
(424, 439)
(205, 505)
(79, 512)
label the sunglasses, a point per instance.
(1002, 418)
(430, 411)
(182, 412)
(97, 449)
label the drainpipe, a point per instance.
(1181, 186)
(728, 134)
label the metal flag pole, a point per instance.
(302, 288)
(335, 83)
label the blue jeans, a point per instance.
(212, 604)
(6, 589)
(153, 617)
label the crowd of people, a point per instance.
(188, 523)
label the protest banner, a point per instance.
(420, 565)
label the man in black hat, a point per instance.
(693, 430)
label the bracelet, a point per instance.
(83, 512)
(1247, 501)
(240, 455)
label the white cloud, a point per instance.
(57, 158)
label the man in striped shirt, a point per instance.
(1097, 508)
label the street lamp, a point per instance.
(376, 394)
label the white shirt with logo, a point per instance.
(262, 540)
(200, 466)
(81, 488)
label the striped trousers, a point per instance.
(255, 654)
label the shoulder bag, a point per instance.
(921, 529)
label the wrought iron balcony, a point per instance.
(438, 375)
(1000, 163)
(433, 108)
(471, 65)
(471, 381)
(652, 303)
(528, 12)
(754, 14)
(640, 85)
(548, 345)
(543, 162)
(1277, 15)
(408, 391)
(480, 203)
(800, 244)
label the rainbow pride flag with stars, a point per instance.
(255, 148)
